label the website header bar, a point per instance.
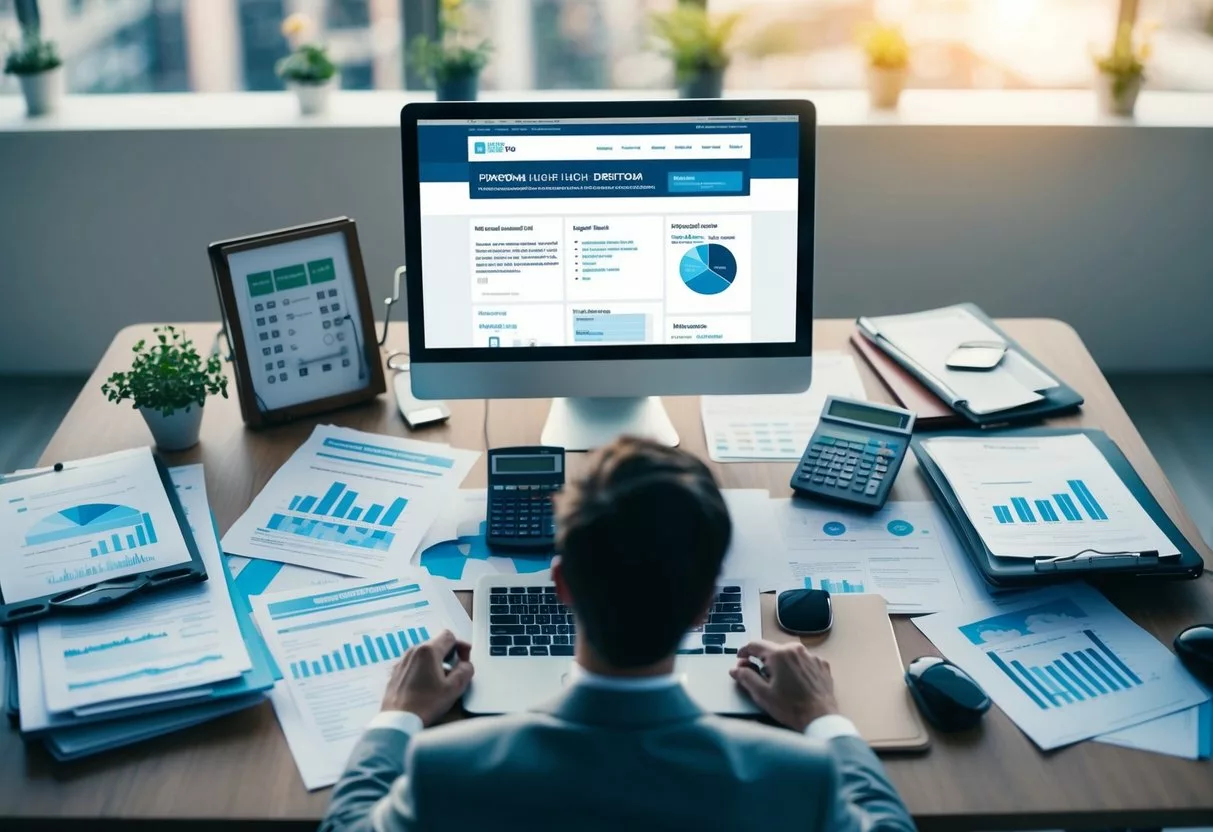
(614, 147)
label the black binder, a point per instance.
(1057, 400)
(1021, 572)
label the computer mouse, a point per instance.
(946, 695)
(1194, 646)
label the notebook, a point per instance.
(869, 680)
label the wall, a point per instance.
(1028, 206)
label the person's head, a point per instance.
(641, 537)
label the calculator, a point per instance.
(522, 481)
(855, 453)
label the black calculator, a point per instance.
(855, 453)
(522, 481)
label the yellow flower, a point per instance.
(296, 25)
(451, 5)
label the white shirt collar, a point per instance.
(581, 676)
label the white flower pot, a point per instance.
(313, 98)
(1114, 100)
(176, 432)
(885, 86)
(43, 91)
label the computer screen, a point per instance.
(576, 232)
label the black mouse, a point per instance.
(947, 696)
(1194, 646)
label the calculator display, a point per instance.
(870, 415)
(539, 464)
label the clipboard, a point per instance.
(94, 596)
(1055, 402)
(1021, 573)
(865, 662)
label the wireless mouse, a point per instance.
(946, 695)
(1194, 646)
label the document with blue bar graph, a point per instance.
(1064, 664)
(177, 639)
(336, 649)
(1045, 497)
(349, 502)
(97, 519)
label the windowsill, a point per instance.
(836, 108)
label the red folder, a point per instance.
(933, 412)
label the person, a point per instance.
(623, 746)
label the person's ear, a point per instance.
(562, 586)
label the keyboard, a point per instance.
(530, 621)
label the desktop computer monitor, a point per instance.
(607, 253)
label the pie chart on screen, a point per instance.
(708, 269)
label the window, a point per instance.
(218, 45)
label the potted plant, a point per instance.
(308, 70)
(1122, 71)
(888, 56)
(452, 62)
(168, 383)
(37, 66)
(698, 44)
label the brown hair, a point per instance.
(642, 536)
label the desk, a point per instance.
(239, 768)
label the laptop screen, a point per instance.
(600, 232)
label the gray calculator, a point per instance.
(855, 453)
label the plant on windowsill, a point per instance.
(452, 62)
(308, 70)
(888, 57)
(1122, 71)
(37, 66)
(168, 383)
(698, 44)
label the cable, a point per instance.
(363, 368)
(486, 425)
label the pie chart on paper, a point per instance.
(708, 269)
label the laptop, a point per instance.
(523, 639)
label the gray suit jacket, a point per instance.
(600, 759)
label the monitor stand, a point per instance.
(585, 424)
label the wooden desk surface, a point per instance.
(239, 768)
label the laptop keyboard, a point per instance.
(530, 621)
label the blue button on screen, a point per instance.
(705, 182)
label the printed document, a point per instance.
(351, 503)
(454, 551)
(1187, 734)
(929, 338)
(337, 649)
(905, 552)
(96, 519)
(744, 428)
(1064, 664)
(1045, 496)
(173, 639)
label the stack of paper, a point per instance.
(164, 661)
(1065, 665)
(764, 428)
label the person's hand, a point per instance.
(795, 686)
(421, 686)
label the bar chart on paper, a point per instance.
(385, 647)
(339, 504)
(839, 586)
(1057, 508)
(1068, 665)
(337, 647)
(1064, 664)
